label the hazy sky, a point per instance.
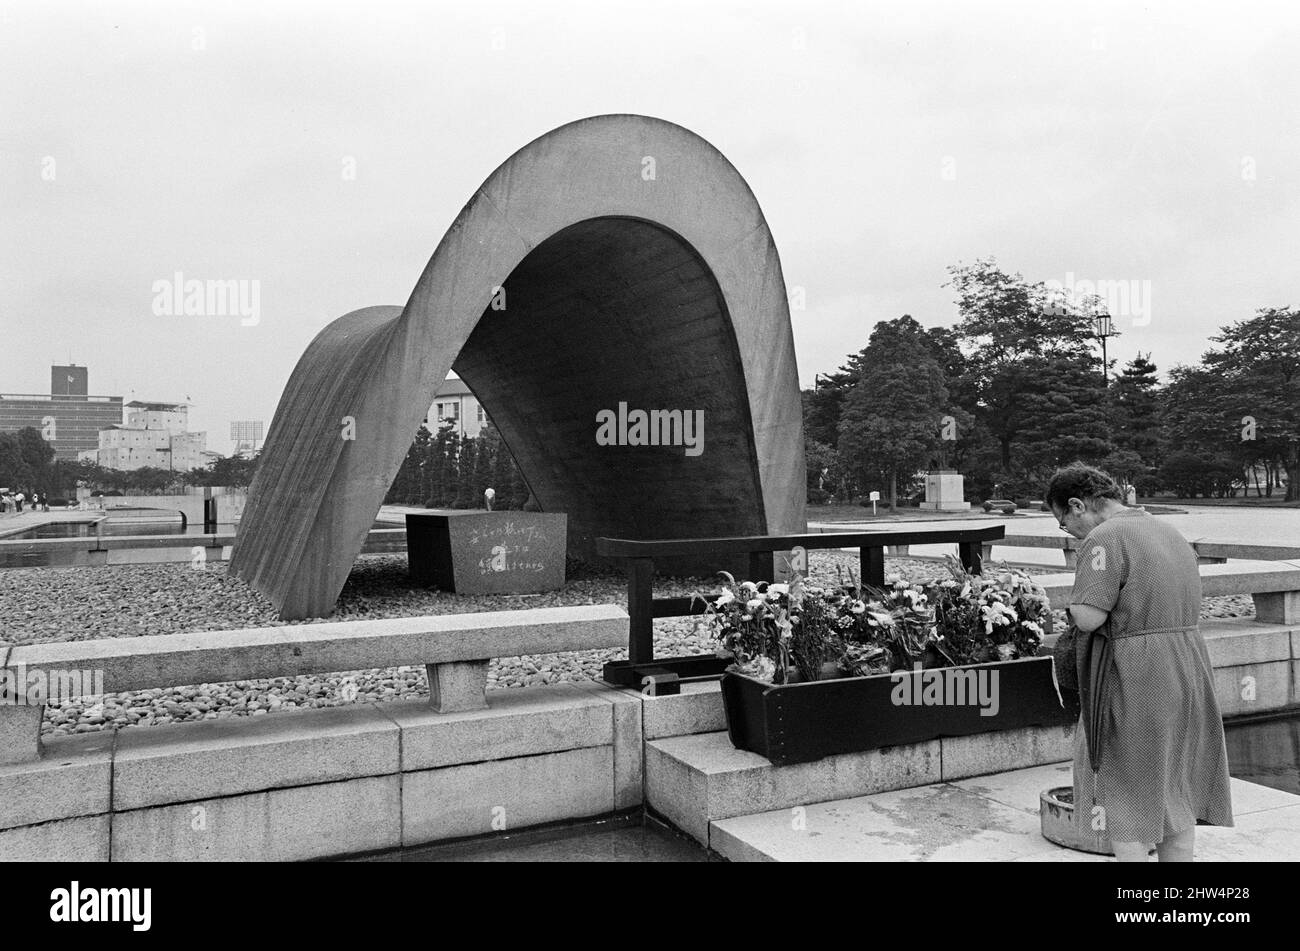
(1151, 143)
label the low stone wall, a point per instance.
(312, 784)
(368, 777)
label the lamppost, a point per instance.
(1103, 327)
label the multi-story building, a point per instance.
(69, 418)
(454, 404)
(156, 435)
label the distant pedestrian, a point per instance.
(489, 494)
(18, 500)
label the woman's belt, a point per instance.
(1115, 635)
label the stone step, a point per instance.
(984, 818)
(693, 781)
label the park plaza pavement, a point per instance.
(981, 819)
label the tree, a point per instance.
(15, 472)
(1259, 370)
(27, 462)
(519, 493)
(819, 459)
(1203, 454)
(1037, 385)
(891, 418)
(466, 498)
(503, 475)
(489, 444)
(822, 405)
(446, 477)
(228, 470)
(1135, 414)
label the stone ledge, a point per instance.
(177, 763)
(1242, 577)
(981, 753)
(693, 780)
(1232, 643)
(71, 780)
(497, 796)
(516, 722)
(169, 660)
(1270, 688)
(628, 738)
(281, 825)
(697, 709)
(83, 839)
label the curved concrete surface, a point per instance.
(637, 268)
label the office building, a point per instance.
(69, 418)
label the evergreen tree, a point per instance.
(1259, 378)
(1202, 448)
(503, 476)
(487, 446)
(890, 424)
(1136, 409)
(519, 493)
(822, 405)
(465, 496)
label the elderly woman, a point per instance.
(1150, 760)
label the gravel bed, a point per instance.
(65, 604)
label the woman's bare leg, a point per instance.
(1131, 851)
(1178, 848)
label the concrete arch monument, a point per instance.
(617, 260)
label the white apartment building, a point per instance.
(155, 434)
(454, 403)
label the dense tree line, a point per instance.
(28, 464)
(1016, 388)
(446, 470)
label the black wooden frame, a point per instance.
(643, 607)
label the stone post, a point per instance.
(458, 686)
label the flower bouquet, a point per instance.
(822, 671)
(786, 633)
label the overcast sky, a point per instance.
(1156, 143)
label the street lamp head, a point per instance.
(1103, 325)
